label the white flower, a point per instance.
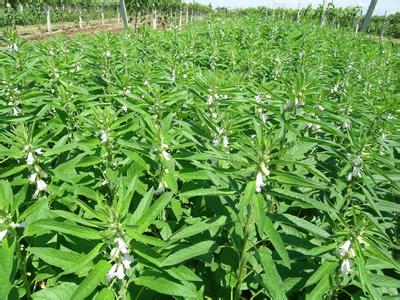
(30, 159)
(288, 104)
(120, 274)
(111, 273)
(264, 118)
(122, 246)
(344, 249)
(39, 151)
(361, 240)
(124, 108)
(166, 155)
(264, 169)
(33, 177)
(259, 182)
(107, 54)
(14, 47)
(345, 268)
(18, 225)
(350, 176)
(3, 233)
(114, 252)
(258, 99)
(210, 100)
(126, 260)
(356, 171)
(216, 142)
(41, 185)
(226, 141)
(16, 111)
(357, 161)
(104, 136)
(161, 187)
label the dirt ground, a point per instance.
(39, 32)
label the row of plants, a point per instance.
(350, 17)
(32, 12)
(231, 159)
(35, 14)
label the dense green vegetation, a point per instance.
(33, 12)
(233, 158)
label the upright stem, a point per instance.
(243, 256)
(22, 261)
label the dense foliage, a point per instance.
(232, 158)
(336, 16)
(33, 12)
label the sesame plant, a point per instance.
(239, 158)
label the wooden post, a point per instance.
(80, 16)
(102, 15)
(324, 7)
(187, 15)
(118, 15)
(383, 25)
(170, 20)
(368, 16)
(123, 12)
(180, 19)
(48, 20)
(155, 19)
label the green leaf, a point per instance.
(273, 280)
(198, 228)
(67, 228)
(189, 252)
(310, 227)
(207, 192)
(301, 197)
(63, 291)
(276, 240)
(384, 281)
(6, 195)
(89, 284)
(161, 284)
(6, 267)
(105, 294)
(154, 211)
(59, 258)
(326, 268)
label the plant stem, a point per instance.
(22, 262)
(243, 257)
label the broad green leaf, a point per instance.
(189, 252)
(63, 291)
(161, 284)
(95, 277)
(198, 228)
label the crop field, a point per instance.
(239, 158)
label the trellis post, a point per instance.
(368, 16)
(48, 20)
(123, 12)
(324, 7)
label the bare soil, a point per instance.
(39, 32)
